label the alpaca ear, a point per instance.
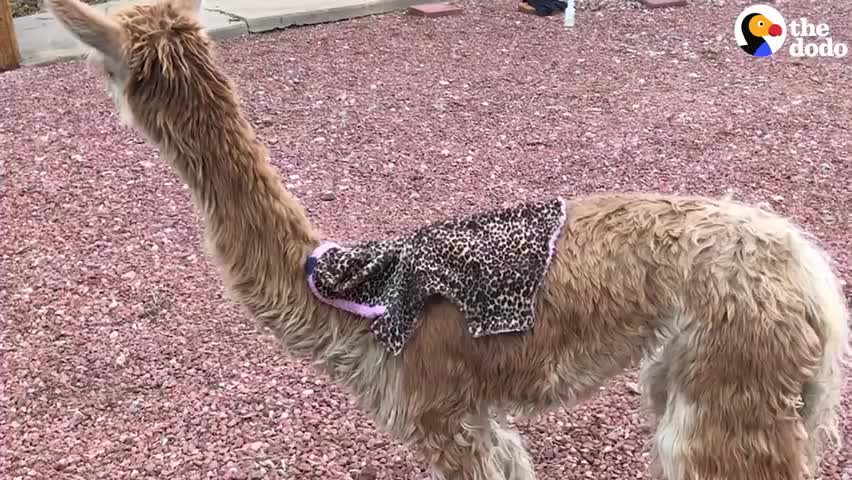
(90, 26)
(189, 6)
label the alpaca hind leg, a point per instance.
(707, 441)
(653, 379)
(820, 404)
(730, 409)
(819, 408)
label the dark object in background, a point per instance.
(545, 8)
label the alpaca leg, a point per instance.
(652, 382)
(698, 440)
(730, 411)
(818, 408)
(472, 447)
(510, 451)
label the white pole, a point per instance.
(569, 14)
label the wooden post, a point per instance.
(10, 57)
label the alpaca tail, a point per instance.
(828, 315)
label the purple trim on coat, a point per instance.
(360, 309)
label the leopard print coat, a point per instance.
(489, 265)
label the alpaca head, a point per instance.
(155, 58)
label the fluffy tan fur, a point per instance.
(735, 314)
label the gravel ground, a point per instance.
(121, 357)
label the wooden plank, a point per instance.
(432, 10)
(10, 56)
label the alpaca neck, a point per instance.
(256, 230)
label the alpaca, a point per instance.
(735, 315)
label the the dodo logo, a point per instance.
(760, 30)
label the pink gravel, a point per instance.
(122, 359)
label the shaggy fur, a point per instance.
(737, 313)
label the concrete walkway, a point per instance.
(42, 40)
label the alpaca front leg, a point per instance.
(473, 447)
(508, 448)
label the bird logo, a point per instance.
(760, 30)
